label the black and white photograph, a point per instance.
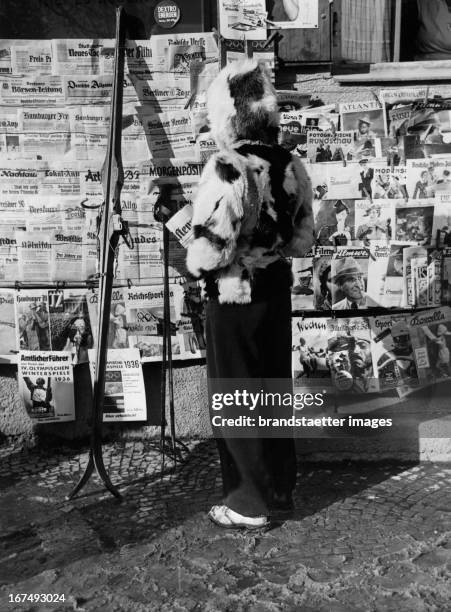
(225, 305)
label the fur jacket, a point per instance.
(254, 201)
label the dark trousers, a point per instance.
(252, 341)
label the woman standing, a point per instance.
(252, 209)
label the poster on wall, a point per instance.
(292, 14)
(125, 398)
(242, 19)
(46, 386)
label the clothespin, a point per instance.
(17, 285)
(129, 283)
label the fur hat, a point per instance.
(242, 105)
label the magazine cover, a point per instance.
(350, 279)
(349, 351)
(334, 180)
(191, 321)
(398, 99)
(302, 294)
(33, 324)
(388, 182)
(125, 398)
(322, 277)
(8, 337)
(374, 221)
(334, 222)
(329, 146)
(414, 221)
(70, 325)
(46, 385)
(446, 276)
(441, 227)
(426, 178)
(414, 253)
(377, 272)
(392, 352)
(394, 279)
(117, 332)
(431, 340)
(365, 118)
(144, 321)
(309, 350)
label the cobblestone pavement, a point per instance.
(365, 537)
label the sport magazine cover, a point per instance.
(46, 385)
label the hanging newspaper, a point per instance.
(31, 57)
(9, 261)
(139, 58)
(302, 294)
(322, 277)
(309, 351)
(8, 337)
(10, 133)
(426, 178)
(46, 386)
(392, 352)
(334, 222)
(349, 352)
(374, 221)
(144, 314)
(169, 93)
(125, 398)
(32, 90)
(35, 255)
(169, 134)
(431, 340)
(89, 130)
(82, 56)
(5, 54)
(45, 133)
(20, 178)
(176, 52)
(413, 221)
(96, 89)
(240, 19)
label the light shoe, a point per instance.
(223, 516)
